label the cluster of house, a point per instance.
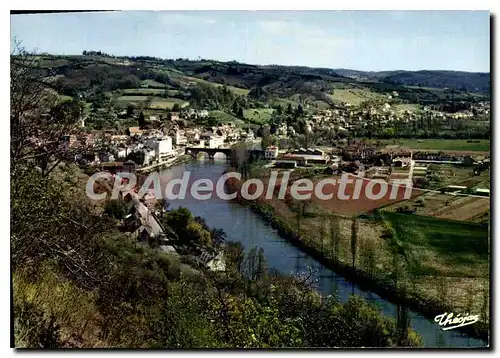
(393, 164)
(142, 224)
(344, 118)
(156, 145)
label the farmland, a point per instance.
(355, 96)
(149, 102)
(482, 145)
(261, 115)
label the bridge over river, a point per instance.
(228, 152)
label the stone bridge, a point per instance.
(195, 151)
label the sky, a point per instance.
(360, 40)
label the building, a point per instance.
(134, 131)
(334, 159)
(174, 116)
(69, 141)
(203, 113)
(180, 138)
(309, 156)
(271, 152)
(402, 162)
(215, 141)
(163, 148)
(129, 166)
(483, 191)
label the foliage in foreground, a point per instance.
(99, 289)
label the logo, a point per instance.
(449, 321)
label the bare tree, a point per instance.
(335, 236)
(354, 239)
(39, 122)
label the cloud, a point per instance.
(275, 27)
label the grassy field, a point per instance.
(258, 115)
(148, 92)
(412, 107)
(152, 83)
(445, 206)
(166, 103)
(445, 144)
(186, 79)
(462, 247)
(223, 117)
(132, 99)
(355, 96)
(156, 102)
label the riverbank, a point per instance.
(397, 287)
(166, 164)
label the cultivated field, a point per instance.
(444, 144)
(446, 206)
(355, 96)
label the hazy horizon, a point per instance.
(355, 40)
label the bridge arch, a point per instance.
(211, 153)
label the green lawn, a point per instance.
(187, 79)
(445, 144)
(148, 92)
(442, 247)
(156, 102)
(152, 83)
(355, 96)
(166, 103)
(223, 117)
(258, 115)
(132, 99)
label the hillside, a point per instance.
(155, 85)
(453, 80)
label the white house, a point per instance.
(122, 153)
(215, 141)
(271, 152)
(180, 138)
(163, 148)
(203, 113)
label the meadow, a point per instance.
(482, 145)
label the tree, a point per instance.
(137, 157)
(368, 256)
(335, 236)
(235, 108)
(37, 113)
(218, 236)
(141, 120)
(176, 107)
(240, 113)
(300, 111)
(279, 109)
(266, 137)
(116, 209)
(130, 110)
(240, 159)
(301, 212)
(289, 109)
(354, 240)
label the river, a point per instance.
(241, 224)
